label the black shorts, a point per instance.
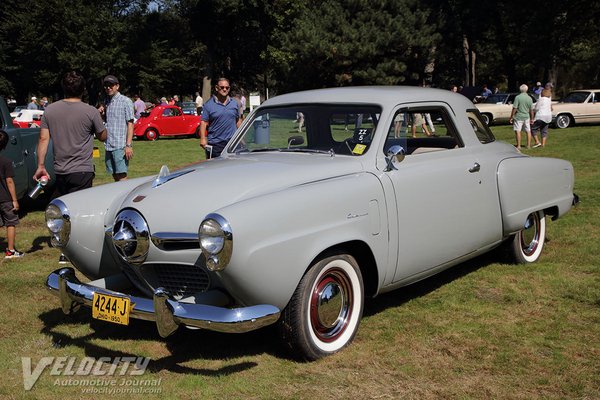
(8, 216)
(69, 183)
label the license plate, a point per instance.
(111, 308)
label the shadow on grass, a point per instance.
(186, 344)
(404, 294)
(37, 243)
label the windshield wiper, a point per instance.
(299, 150)
(256, 150)
(292, 150)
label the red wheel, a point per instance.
(325, 311)
(526, 245)
(151, 134)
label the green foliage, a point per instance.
(165, 47)
(357, 42)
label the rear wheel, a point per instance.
(526, 245)
(325, 311)
(151, 134)
(563, 121)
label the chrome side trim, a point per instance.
(167, 313)
(164, 240)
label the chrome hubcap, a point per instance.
(530, 235)
(331, 305)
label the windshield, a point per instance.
(496, 99)
(576, 97)
(320, 128)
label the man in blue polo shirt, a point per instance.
(221, 114)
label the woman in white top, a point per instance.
(543, 117)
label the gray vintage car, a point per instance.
(321, 199)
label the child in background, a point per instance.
(9, 206)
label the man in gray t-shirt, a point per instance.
(72, 125)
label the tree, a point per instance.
(357, 42)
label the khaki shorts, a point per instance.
(519, 125)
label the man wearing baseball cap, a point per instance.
(538, 89)
(119, 123)
(33, 105)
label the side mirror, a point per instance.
(295, 141)
(395, 154)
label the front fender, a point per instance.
(91, 211)
(277, 236)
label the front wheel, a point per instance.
(563, 121)
(526, 245)
(324, 312)
(151, 135)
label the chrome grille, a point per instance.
(179, 280)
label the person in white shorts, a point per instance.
(522, 115)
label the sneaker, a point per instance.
(537, 145)
(13, 254)
(63, 259)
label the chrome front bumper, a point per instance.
(167, 313)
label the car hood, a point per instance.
(187, 195)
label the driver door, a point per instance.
(446, 198)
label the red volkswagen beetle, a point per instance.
(166, 120)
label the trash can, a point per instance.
(261, 131)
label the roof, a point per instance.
(383, 95)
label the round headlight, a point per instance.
(58, 222)
(216, 241)
(212, 237)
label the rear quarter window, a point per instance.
(481, 130)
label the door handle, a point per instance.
(13, 140)
(475, 168)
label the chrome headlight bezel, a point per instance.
(216, 241)
(58, 222)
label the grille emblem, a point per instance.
(131, 236)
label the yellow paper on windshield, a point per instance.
(359, 149)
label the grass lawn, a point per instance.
(480, 330)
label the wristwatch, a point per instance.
(129, 145)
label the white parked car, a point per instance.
(300, 228)
(496, 109)
(29, 118)
(579, 106)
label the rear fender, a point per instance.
(528, 184)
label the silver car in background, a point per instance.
(321, 200)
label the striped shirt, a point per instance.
(119, 110)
